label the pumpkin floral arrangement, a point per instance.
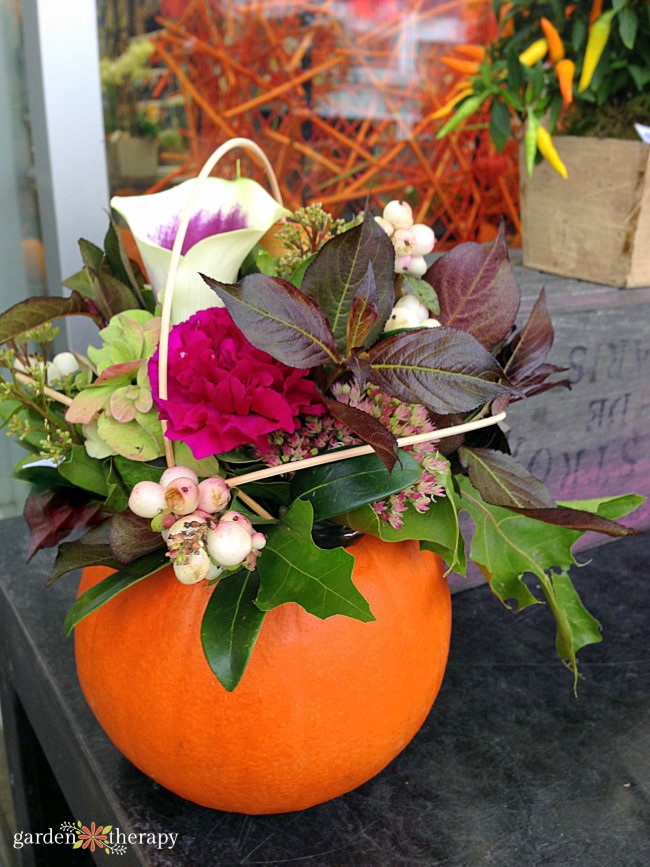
(579, 68)
(250, 428)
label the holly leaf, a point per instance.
(507, 545)
(230, 626)
(52, 515)
(345, 485)
(33, 312)
(339, 270)
(477, 289)
(294, 569)
(277, 318)
(436, 529)
(503, 481)
(367, 428)
(446, 369)
(105, 590)
(363, 312)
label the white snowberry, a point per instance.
(147, 499)
(399, 214)
(229, 544)
(402, 264)
(182, 496)
(177, 473)
(403, 242)
(238, 518)
(258, 540)
(418, 266)
(424, 239)
(214, 495)
(402, 317)
(413, 303)
(62, 365)
(197, 567)
(430, 322)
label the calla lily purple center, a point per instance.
(202, 225)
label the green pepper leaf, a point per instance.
(105, 590)
(293, 569)
(231, 625)
(346, 485)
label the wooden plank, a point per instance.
(595, 225)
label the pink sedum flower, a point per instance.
(225, 393)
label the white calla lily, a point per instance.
(229, 218)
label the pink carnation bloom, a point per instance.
(223, 392)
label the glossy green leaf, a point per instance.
(346, 485)
(424, 291)
(85, 472)
(105, 590)
(131, 473)
(293, 569)
(231, 625)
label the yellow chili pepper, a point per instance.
(448, 107)
(548, 151)
(534, 52)
(555, 44)
(598, 36)
(565, 70)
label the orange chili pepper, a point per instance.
(596, 11)
(555, 44)
(565, 70)
(472, 52)
(467, 67)
(507, 25)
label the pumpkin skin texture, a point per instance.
(323, 706)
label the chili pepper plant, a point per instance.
(349, 345)
(581, 68)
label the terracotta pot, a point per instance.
(322, 707)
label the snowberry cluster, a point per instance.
(412, 241)
(202, 538)
(410, 312)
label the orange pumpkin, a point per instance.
(322, 707)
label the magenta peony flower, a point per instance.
(223, 392)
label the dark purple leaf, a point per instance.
(277, 318)
(477, 290)
(363, 313)
(339, 270)
(359, 366)
(52, 515)
(529, 347)
(367, 428)
(131, 537)
(37, 311)
(577, 519)
(445, 369)
(502, 481)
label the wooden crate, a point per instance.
(595, 225)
